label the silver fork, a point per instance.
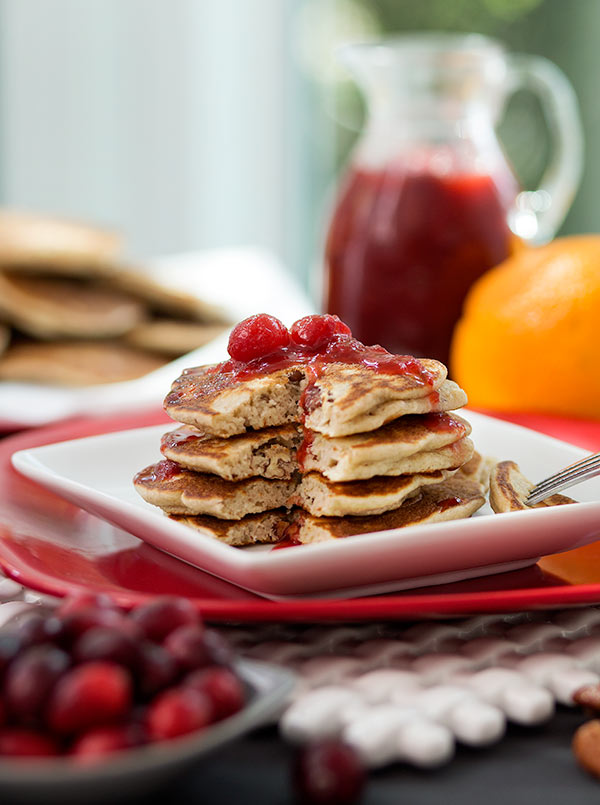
(573, 474)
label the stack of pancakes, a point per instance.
(72, 313)
(284, 455)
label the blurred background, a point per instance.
(207, 123)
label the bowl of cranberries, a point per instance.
(96, 700)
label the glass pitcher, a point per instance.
(430, 201)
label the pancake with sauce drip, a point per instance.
(408, 444)
(179, 491)
(254, 529)
(323, 498)
(268, 453)
(455, 498)
(50, 307)
(345, 398)
(75, 363)
(509, 489)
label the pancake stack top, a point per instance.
(311, 436)
(71, 312)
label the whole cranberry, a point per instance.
(316, 331)
(106, 643)
(95, 744)
(31, 678)
(221, 687)
(177, 712)
(257, 336)
(189, 647)
(156, 668)
(162, 615)
(43, 629)
(328, 773)
(77, 623)
(18, 742)
(85, 600)
(89, 695)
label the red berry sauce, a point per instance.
(164, 470)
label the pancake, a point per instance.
(179, 491)
(55, 246)
(509, 489)
(223, 405)
(408, 444)
(254, 529)
(323, 498)
(372, 401)
(75, 363)
(4, 338)
(453, 499)
(165, 299)
(220, 405)
(269, 453)
(478, 469)
(172, 337)
(50, 307)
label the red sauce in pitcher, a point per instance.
(403, 249)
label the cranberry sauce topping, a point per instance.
(316, 342)
(443, 423)
(448, 503)
(177, 437)
(163, 471)
(304, 448)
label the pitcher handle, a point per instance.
(537, 214)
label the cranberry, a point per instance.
(329, 772)
(30, 679)
(97, 743)
(89, 695)
(221, 687)
(161, 616)
(177, 712)
(317, 331)
(20, 742)
(105, 643)
(76, 623)
(157, 668)
(189, 647)
(84, 600)
(257, 336)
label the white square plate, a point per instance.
(96, 473)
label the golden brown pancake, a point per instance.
(172, 337)
(254, 529)
(75, 363)
(54, 245)
(51, 307)
(4, 338)
(509, 489)
(166, 299)
(179, 491)
(218, 404)
(368, 401)
(221, 404)
(269, 453)
(452, 499)
(382, 451)
(323, 498)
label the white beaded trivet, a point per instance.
(411, 693)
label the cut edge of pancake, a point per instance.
(509, 489)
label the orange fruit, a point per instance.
(529, 336)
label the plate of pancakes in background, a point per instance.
(368, 477)
(84, 331)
